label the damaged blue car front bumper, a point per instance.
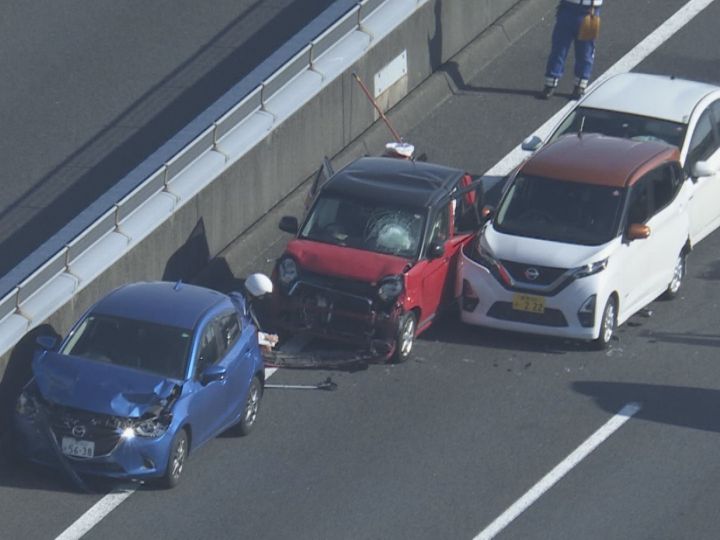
(92, 444)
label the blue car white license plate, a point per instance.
(78, 448)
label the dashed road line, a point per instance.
(96, 513)
(554, 476)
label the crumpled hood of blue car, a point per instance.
(98, 387)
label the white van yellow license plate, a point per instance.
(529, 303)
(78, 447)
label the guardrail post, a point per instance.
(117, 223)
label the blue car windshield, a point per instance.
(368, 225)
(142, 345)
(560, 211)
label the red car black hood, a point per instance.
(345, 262)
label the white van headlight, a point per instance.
(590, 269)
(486, 258)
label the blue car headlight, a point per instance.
(151, 428)
(27, 403)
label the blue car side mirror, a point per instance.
(47, 343)
(213, 373)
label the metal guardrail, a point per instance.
(109, 222)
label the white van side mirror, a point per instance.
(638, 231)
(703, 168)
(532, 143)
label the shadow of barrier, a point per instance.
(682, 406)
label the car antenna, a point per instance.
(582, 126)
(178, 285)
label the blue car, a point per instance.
(148, 374)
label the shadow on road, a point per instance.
(15, 473)
(449, 329)
(685, 338)
(712, 272)
(17, 374)
(191, 258)
(681, 406)
(452, 70)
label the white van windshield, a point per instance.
(560, 211)
(622, 125)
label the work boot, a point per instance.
(547, 92)
(577, 93)
(579, 90)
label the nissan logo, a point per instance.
(78, 431)
(532, 274)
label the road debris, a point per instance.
(328, 384)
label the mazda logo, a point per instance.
(532, 274)
(78, 431)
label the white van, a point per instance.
(590, 230)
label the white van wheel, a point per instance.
(677, 279)
(608, 322)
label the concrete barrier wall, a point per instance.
(290, 153)
(334, 118)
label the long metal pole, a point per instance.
(365, 90)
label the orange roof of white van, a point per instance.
(597, 159)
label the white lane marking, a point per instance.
(109, 502)
(98, 511)
(565, 466)
(503, 167)
(639, 53)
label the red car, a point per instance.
(374, 259)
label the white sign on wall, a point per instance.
(391, 73)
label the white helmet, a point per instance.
(258, 285)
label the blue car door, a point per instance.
(210, 394)
(237, 341)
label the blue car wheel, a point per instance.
(252, 406)
(176, 460)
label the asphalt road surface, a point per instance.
(90, 89)
(441, 446)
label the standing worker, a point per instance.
(578, 22)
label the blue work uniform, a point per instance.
(570, 14)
